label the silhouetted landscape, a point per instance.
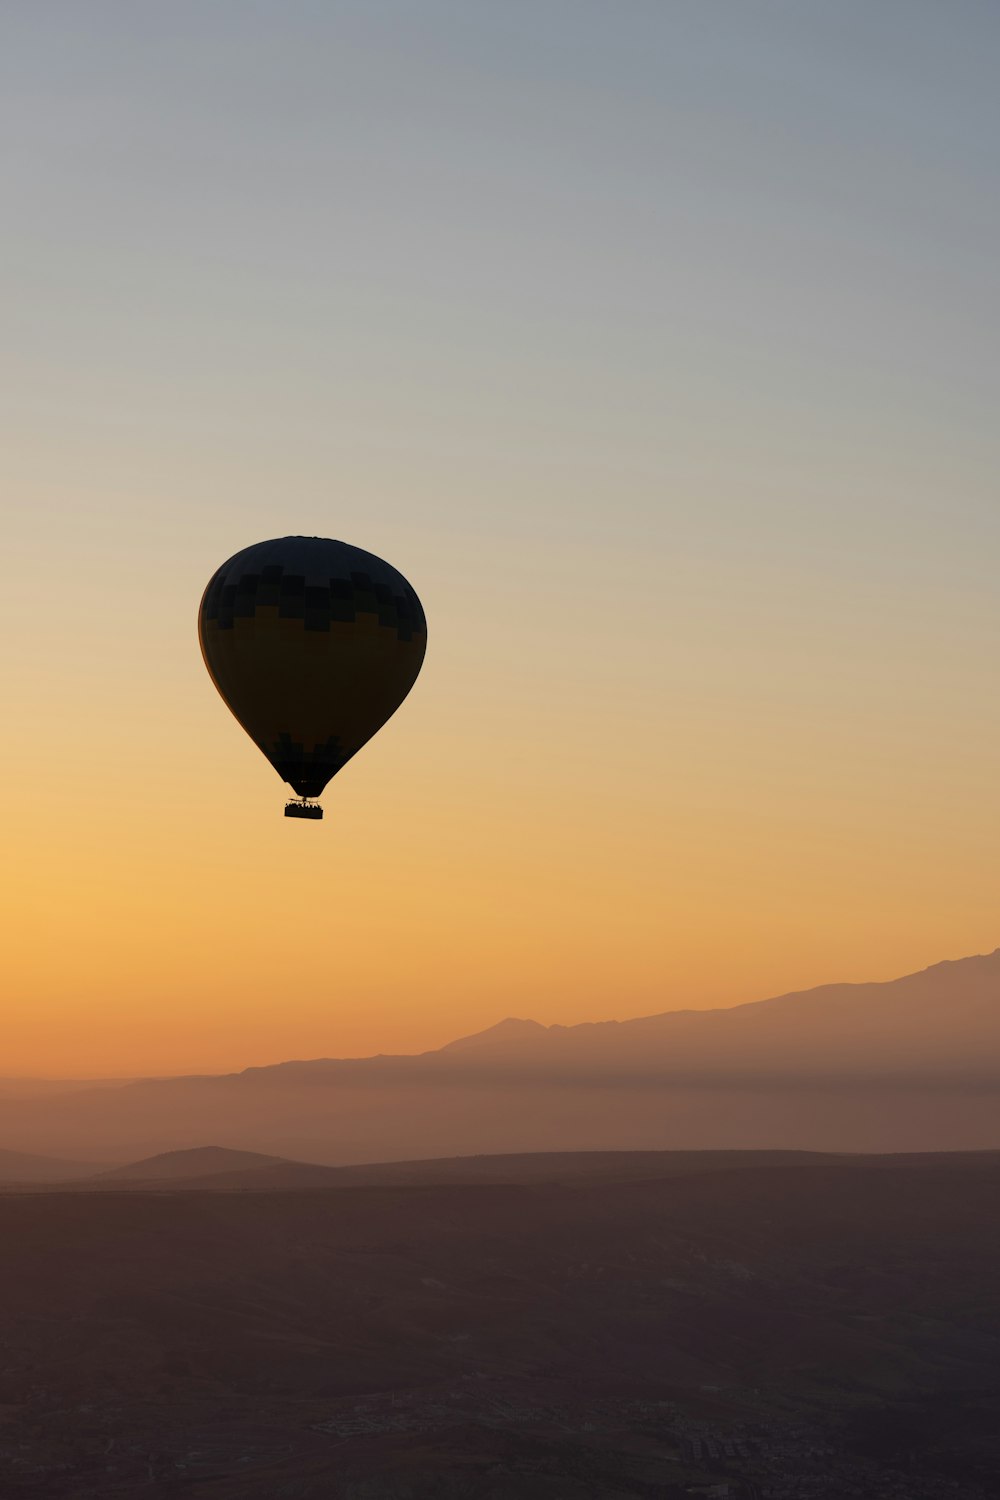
(500, 599)
(912, 1065)
(234, 1320)
(649, 1324)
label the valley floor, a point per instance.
(808, 1329)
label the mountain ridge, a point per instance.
(511, 1039)
(526, 1029)
(906, 1064)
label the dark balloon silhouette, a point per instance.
(313, 644)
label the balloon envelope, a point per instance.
(313, 644)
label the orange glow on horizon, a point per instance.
(486, 855)
(656, 352)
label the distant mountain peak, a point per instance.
(511, 1030)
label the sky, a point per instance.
(656, 344)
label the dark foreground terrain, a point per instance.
(767, 1326)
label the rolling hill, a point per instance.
(216, 1169)
(21, 1166)
(190, 1165)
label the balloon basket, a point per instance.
(303, 810)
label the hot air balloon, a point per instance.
(313, 645)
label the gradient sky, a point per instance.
(656, 343)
